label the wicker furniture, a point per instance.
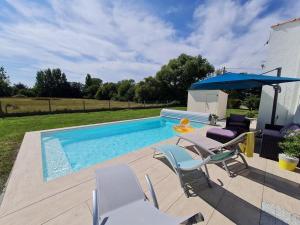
(235, 125)
(238, 123)
(271, 136)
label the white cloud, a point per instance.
(232, 34)
(173, 10)
(117, 40)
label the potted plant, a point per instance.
(288, 160)
(213, 119)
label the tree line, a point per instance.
(170, 83)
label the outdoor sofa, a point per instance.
(271, 136)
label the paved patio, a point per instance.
(262, 194)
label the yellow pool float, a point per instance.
(184, 121)
(184, 126)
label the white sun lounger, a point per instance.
(213, 147)
(119, 199)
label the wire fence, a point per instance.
(35, 106)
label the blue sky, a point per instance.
(116, 40)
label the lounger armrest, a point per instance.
(95, 208)
(151, 190)
(194, 219)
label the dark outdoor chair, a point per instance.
(271, 136)
(235, 125)
(238, 123)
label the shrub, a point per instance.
(19, 96)
(252, 102)
(234, 103)
(291, 144)
(251, 114)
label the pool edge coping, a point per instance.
(91, 125)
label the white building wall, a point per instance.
(284, 51)
(222, 104)
(208, 101)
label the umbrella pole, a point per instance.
(276, 90)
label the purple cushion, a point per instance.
(237, 118)
(222, 132)
(290, 127)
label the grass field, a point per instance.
(240, 112)
(25, 105)
(12, 129)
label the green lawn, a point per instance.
(240, 112)
(12, 129)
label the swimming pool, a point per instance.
(69, 150)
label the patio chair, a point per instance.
(235, 125)
(182, 163)
(238, 123)
(119, 199)
(213, 147)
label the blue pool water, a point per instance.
(70, 150)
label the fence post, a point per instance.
(49, 103)
(83, 103)
(1, 111)
(108, 103)
(6, 107)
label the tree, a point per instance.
(28, 92)
(148, 90)
(91, 86)
(75, 90)
(51, 83)
(125, 90)
(177, 76)
(107, 91)
(20, 86)
(5, 89)
(88, 80)
(220, 71)
(252, 102)
(22, 89)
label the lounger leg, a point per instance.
(157, 155)
(244, 160)
(206, 177)
(198, 151)
(206, 170)
(95, 208)
(208, 181)
(178, 141)
(226, 168)
(181, 182)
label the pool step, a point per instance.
(55, 161)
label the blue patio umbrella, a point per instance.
(237, 81)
